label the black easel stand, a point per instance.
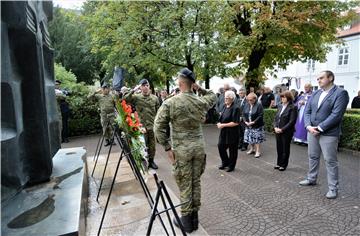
(126, 151)
(98, 149)
(160, 194)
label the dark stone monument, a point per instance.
(29, 121)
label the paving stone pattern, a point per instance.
(255, 199)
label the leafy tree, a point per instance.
(269, 33)
(70, 42)
(156, 39)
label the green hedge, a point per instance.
(350, 137)
(353, 111)
(85, 119)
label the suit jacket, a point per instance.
(286, 121)
(355, 102)
(330, 112)
(256, 114)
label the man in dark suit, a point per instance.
(323, 116)
(355, 104)
(241, 103)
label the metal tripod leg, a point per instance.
(154, 212)
(97, 154)
(143, 185)
(110, 191)
(164, 204)
(162, 185)
(106, 163)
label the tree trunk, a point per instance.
(168, 86)
(253, 74)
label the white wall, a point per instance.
(347, 76)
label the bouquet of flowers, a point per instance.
(129, 122)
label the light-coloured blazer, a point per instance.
(330, 112)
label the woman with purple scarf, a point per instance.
(300, 135)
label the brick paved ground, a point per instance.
(255, 199)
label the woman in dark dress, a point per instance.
(229, 132)
(284, 127)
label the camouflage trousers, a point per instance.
(187, 175)
(150, 143)
(105, 120)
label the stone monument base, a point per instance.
(57, 207)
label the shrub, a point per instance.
(85, 118)
(269, 116)
(350, 137)
(353, 111)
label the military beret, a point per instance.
(143, 81)
(57, 81)
(185, 72)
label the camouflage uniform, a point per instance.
(146, 106)
(107, 115)
(185, 113)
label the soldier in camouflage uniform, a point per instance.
(107, 115)
(184, 113)
(146, 105)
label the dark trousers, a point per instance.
(241, 136)
(228, 160)
(65, 126)
(283, 148)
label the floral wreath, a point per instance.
(130, 124)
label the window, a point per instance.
(343, 56)
(310, 65)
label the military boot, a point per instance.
(107, 142)
(152, 164)
(195, 220)
(186, 221)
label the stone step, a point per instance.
(57, 207)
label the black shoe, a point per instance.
(195, 220)
(222, 167)
(282, 169)
(276, 167)
(152, 165)
(186, 221)
(230, 169)
(243, 149)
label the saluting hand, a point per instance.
(195, 86)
